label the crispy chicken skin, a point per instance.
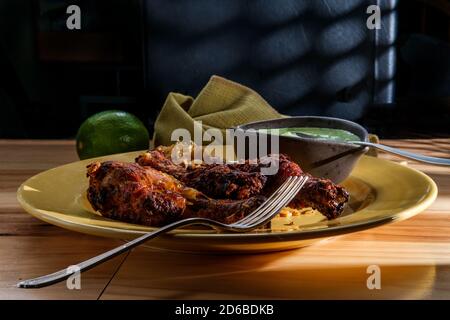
(215, 180)
(241, 181)
(130, 193)
(317, 193)
(143, 195)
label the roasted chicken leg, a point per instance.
(143, 195)
(242, 181)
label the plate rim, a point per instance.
(274, 236)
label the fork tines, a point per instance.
(279, 199)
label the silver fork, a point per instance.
(263, 214)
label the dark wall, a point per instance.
(52, 78)
(303, 56)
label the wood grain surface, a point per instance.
(413, 255)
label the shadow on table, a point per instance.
(273, 276)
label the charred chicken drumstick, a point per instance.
(243, 181)
(143, 195)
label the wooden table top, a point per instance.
(413, 255)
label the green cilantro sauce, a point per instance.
(314, 132)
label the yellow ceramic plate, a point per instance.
(380, 192)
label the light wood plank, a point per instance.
(414, 255)
(30, 247)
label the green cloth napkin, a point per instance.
(221, 104)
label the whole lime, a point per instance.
(111, 132)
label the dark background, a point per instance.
(130, 54)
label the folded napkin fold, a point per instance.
(221, 104)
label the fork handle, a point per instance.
(88, 264)
(406, 154)
(63, 274)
